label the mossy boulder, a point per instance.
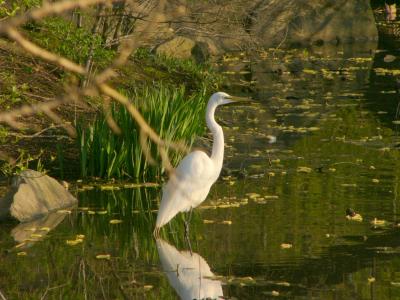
(186, 48)
(178, 47)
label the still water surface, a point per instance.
(275, 225)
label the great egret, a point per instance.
(189, 185)
(188, 273)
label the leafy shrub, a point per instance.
(11, 8)
(64, 38)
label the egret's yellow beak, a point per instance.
(238, 100)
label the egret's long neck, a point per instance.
(217, 154)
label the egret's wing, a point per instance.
(186, 188)
(193, 166)
(188, 273)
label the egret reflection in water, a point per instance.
(188, 273)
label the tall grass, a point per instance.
(171, 113)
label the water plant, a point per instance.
(175, 115)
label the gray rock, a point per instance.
(200, 50)
(34, 194)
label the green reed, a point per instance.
(173, 114)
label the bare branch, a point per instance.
(37, 134)
(11, 117)
(107, 113)
(67, 126)
(145, 147)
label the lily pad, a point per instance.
(286, 246)
(304, 170)
(115, 221)
(103, 256)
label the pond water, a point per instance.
(274, 226)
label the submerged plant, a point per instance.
(173, 114)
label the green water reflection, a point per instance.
(275, 224)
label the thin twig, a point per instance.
(108, 115)
(39, 133)
(26, 110)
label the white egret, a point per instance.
(188, 273)
(190, 183)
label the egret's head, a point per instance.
(220, 98)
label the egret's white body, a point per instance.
(188, 273)
(196, 173)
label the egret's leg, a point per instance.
(187, 222)
(188, 243)
(190, 214)
(186, 228)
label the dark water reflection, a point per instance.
(266, 231)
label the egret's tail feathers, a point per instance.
(172, 202)
(164, 217)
